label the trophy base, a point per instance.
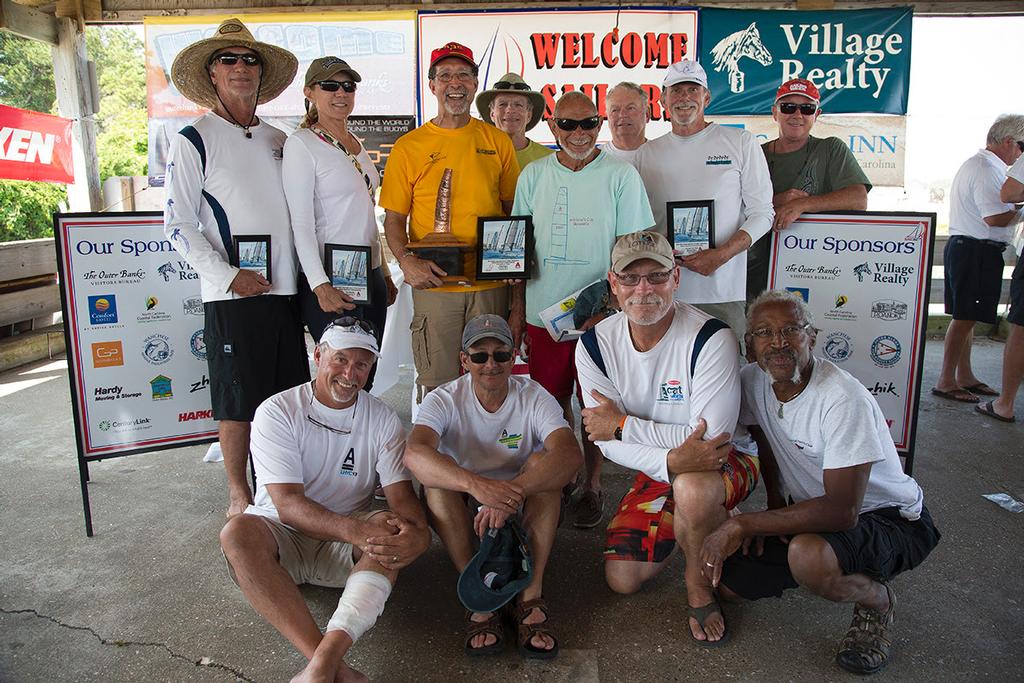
(447, 252)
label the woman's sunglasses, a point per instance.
(332, 86)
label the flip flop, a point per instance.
(700, 614)
(982, 389)
(961, 395)
(987, 409)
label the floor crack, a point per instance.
(205, 662)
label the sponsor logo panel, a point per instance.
(102, 309)
(157, 349)
(107, 354)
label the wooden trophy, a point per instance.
(441, 246)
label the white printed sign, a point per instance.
(134, 319)
(865, 277)
(557, 51)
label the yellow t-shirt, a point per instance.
(484, 173)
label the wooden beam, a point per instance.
(28, 304)
(27, 22)
(27, 258)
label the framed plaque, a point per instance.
(504, 245)
(252, 252)
(348, 267)
(691, 225)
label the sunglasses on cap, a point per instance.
(508, 85)
(480, 357)
(332, 86)
(589, 123)
(230, 59)
(350, 323)
(791, 107)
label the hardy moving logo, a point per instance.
(107, 354)
(102, 309)
(860, 59)
(113, 393)
(510, 441)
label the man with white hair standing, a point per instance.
(700, 160)
(980, 227)
(629, 112)
(580, 199)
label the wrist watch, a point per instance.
(618, 433)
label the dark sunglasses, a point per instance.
(230, 59)
(1020, 145)
(332, 86)
(349, 321)
(507, 85)
(480, 357)
(791, 107)
(572, 124)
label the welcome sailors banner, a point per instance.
(860, 60)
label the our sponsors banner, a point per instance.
(379, 45)
(35, 146)
(557, 51)
(865, 276)
(859, 59)
(879, 143)
(134, 323)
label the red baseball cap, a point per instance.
(452, 50)
(799, 86)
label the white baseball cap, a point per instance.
(685, 71)
(349, 333)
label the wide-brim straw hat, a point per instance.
(192, 79)
(511, 84)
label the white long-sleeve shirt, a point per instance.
(655, 388)
(723, 164)
(221, 185)
(328, 201)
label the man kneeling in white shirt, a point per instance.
(317, 449)
(854, 519)
(504, 442)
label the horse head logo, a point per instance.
(862, 270)
(734, 47)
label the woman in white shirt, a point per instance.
(330, 184)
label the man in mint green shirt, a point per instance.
(580, 199)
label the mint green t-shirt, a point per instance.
(576, 218)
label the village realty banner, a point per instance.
(35, 146)
(860, 59)
(557, 51)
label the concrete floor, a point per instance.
(148, 597)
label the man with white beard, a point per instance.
(581, 199)
(843, 518)
(656, 379)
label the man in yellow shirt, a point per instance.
(484, 175)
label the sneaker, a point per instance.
(588, 510)
(865, 648)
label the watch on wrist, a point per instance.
(618, 433)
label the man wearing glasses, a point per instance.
(843, 519)
(499, 443)
(661, 386)
(318, 449)
(484, 173)
(581, 199)
(224, 182)
(699, 161)
(808, 174)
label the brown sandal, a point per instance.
(526, 632)
(490, 626)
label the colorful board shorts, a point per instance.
(641, 530)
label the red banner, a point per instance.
(35, 146)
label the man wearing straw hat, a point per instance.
(223, 182)
(512, 106)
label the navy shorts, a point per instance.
(974, 278)
(1016, 315)
(255, 348)
(882, 545)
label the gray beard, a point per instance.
(577, 155)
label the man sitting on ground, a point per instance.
(655, 379)
(501, 443)
(317, 449)
(854, 519)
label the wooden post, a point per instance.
(74, 100)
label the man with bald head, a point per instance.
(629, 111)
(581, 199)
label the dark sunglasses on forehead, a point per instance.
(332, 86)
(791, 107)
(507, 85)
(589, 123)
(230, 59)
(350, 321)
(480, 357)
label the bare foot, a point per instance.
(318, 672)
(347, 674)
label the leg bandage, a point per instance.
(360, 604)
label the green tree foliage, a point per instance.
(26, 82)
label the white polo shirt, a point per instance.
(975, 195)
